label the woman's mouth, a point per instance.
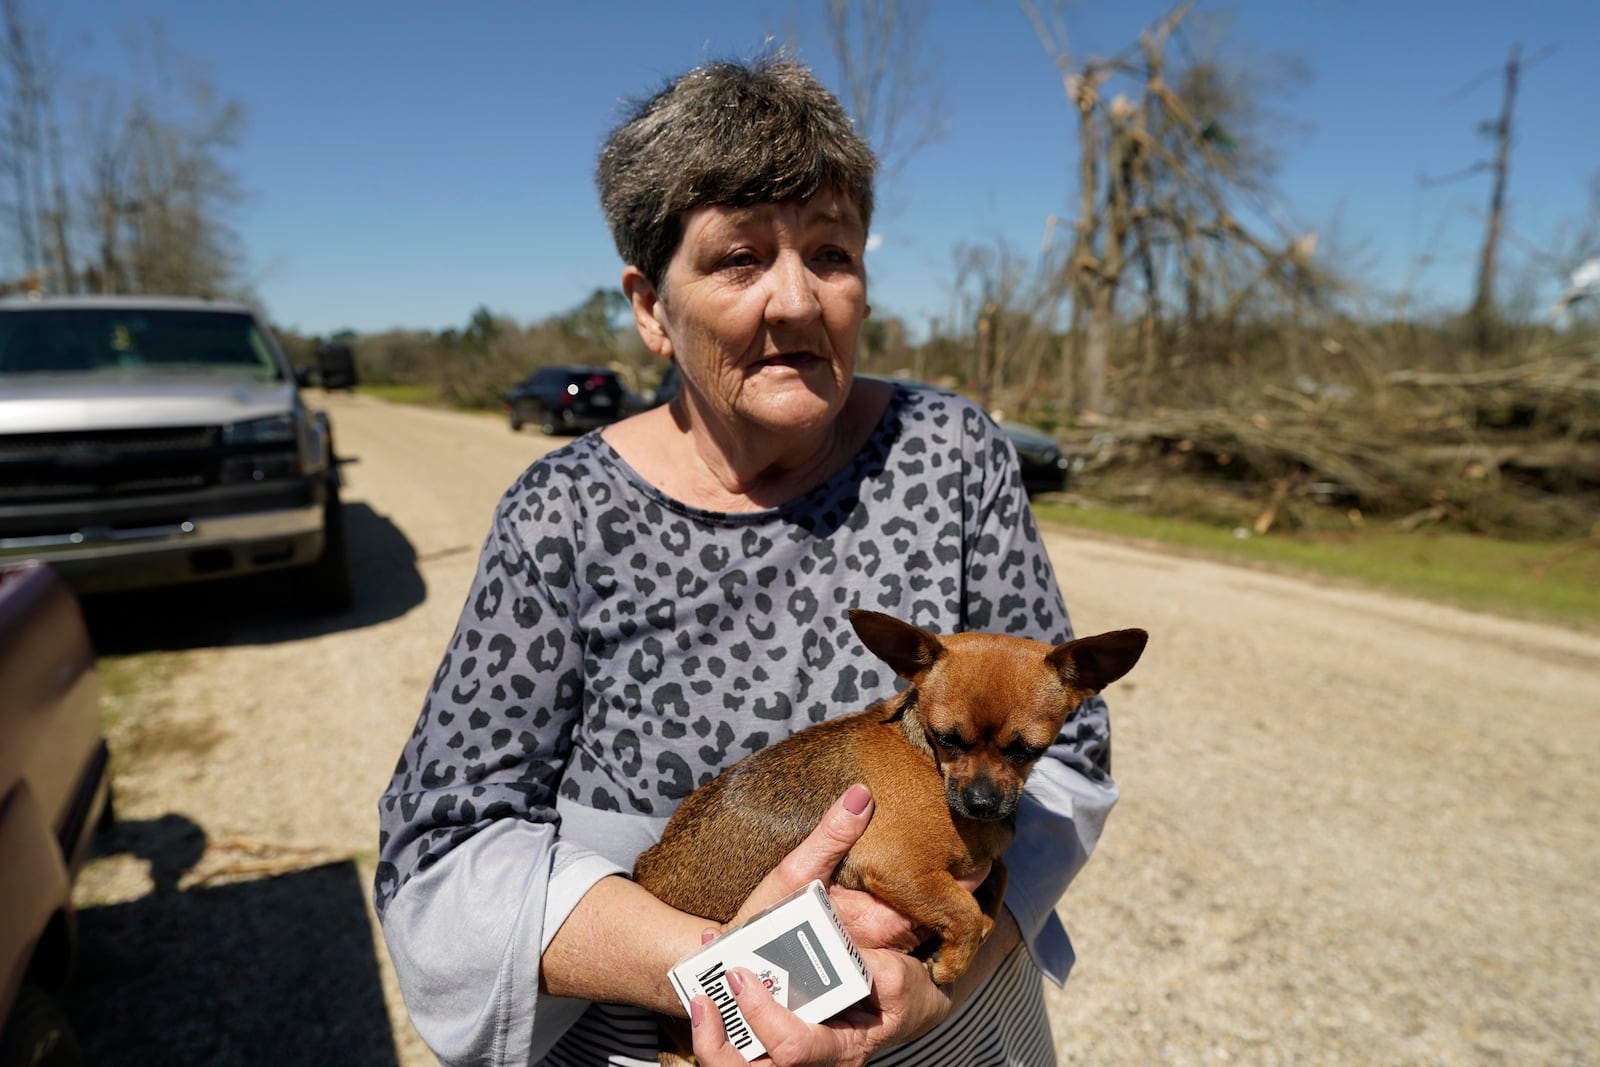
(792, 360)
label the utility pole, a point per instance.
(1483, 302)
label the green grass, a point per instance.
(125, 680)
(1545, 581)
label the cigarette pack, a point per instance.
(797, 948)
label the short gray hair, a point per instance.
(730, 134)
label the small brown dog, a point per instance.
(945, 760)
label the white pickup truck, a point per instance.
(148, 440)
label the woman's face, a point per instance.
(761, 307)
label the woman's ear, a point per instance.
(647, 311)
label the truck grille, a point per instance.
(51, 467)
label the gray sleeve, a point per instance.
(467, 934)
(1058, 825)
(495, 731)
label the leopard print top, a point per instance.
(619, 648)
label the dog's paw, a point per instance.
(943, 972)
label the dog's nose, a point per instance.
(983, 800)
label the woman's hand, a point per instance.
(817, 856)
(904, 1002)
(872, 923)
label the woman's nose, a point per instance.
(792, 298)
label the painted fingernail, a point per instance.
(735, 982)
(709, 934)
(855, 799)
(697, 1011)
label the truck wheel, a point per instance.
(548, 426)
(325, 584)
(516, 423)
(38, 1034)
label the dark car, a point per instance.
(1044, 468)
(336, 367)
(566, 400)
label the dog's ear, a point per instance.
(1092, 663)
(908, 650)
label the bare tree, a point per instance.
(108, 195)
(888, 88)
(1483, 296)
(143, 204)
(1168, 173)
(177, 241)
(1481, 315)
(26, 142)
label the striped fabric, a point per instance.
(1003, 1024)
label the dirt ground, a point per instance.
(1354, 829)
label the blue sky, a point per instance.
(406, 163)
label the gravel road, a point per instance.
(1355, 829)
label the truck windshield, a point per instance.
(126, 340)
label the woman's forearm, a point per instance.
(617, 946)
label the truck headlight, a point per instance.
(275, 446)
(272, 430)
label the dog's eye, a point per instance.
(950, 740)
(1017, 752)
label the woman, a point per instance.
(660, 598)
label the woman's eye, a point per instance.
(740, 259)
